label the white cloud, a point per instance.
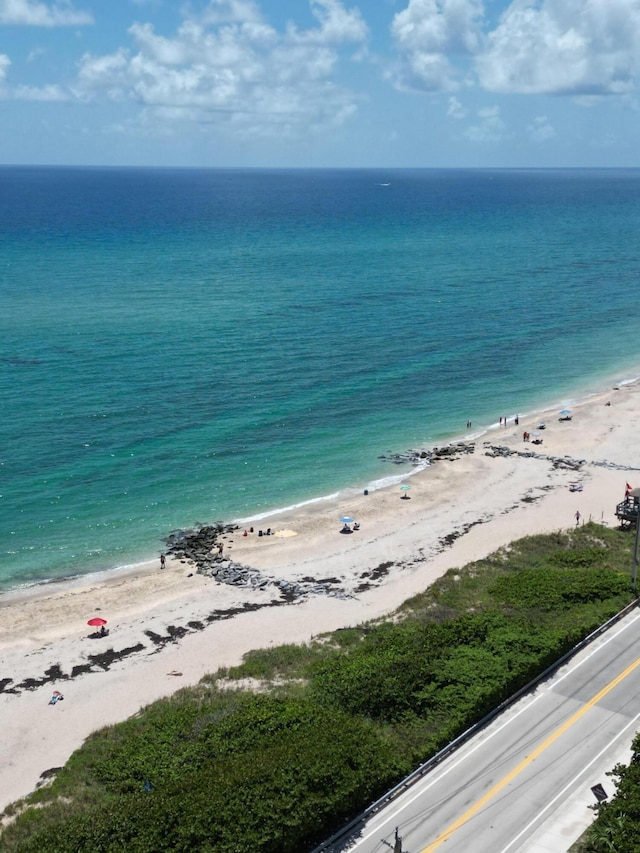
(229, 65)
(490, 127)
(5, 62)
(455, 108)
(337, 24)
(51, 92)
(540, 129)
(430, 36)
(108, 74)
(35, 14)
(575, 47)
(581, 48)
(229, 11)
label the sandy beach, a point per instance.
(169, 627)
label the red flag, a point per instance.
(629, 487)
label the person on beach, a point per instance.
(578, 516)
(163, 560)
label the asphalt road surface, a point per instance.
(496, 793)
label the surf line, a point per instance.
(479, 804)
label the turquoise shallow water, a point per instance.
(185, 346)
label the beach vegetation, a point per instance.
(280, 662)
(617, 824)
(333, 723)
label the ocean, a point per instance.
(179, 347)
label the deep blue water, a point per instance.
(182, 346)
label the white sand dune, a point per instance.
(457, 512)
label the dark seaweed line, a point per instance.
(103, 661)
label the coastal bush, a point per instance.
(271, 775)
(344, 718)
(617, 825)
(462, 668)
(552, 590)
(469, 589)
(286, 661)
(579, 557)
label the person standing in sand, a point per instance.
(163, 560)
(577, 517)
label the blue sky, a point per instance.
(426, 83)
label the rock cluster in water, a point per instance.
(200, 547)
(557, 461)
(449, 453)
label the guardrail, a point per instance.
(432, 762)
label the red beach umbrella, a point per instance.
(97, 621)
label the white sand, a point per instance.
(487, 501)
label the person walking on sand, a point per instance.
(163, 560)
(577, 517)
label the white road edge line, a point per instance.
(571, 783)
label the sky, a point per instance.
(320, 83)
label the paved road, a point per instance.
(499, 792)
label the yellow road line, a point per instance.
(475, 808)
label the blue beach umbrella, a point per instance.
(565, 412)
(346, 519)
(404, 488)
